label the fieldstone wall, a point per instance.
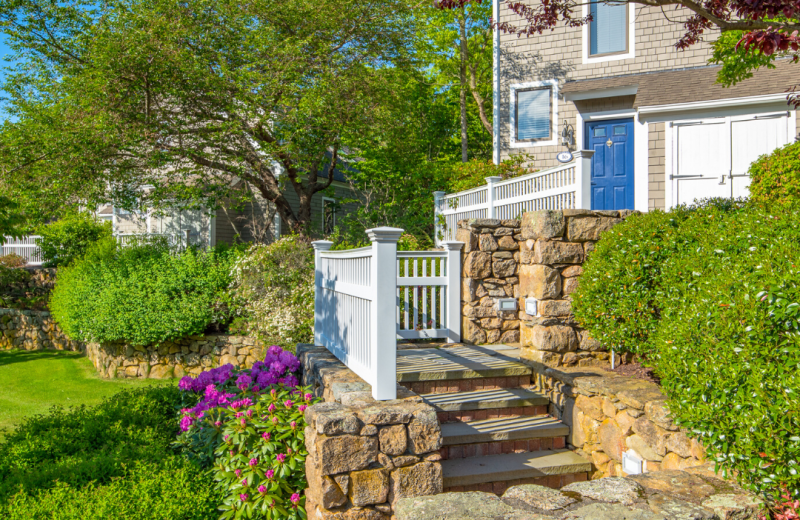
(190, 355)
(364, 455)
(553, 246)
(34, 287)
(609, 414)
(33, 330)
(490, 265)
(673, 495)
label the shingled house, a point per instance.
(662, 131)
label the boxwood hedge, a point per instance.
(710, 297)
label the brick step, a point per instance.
(486, 404)
(463, 451)
(503, 429)
(466, 385)
(494, 473)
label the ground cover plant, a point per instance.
(142, 294)
(247, 426)
(32, 382)
(272, 290)
(710, 297)
(70, 237)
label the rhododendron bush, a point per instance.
(247, 426)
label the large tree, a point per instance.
(165, 101)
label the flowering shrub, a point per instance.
(273, 285)
(786, 508)
(248, 425)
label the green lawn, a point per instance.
(32, 382)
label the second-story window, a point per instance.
(608, 30)
(533, 114)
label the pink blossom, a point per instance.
(244, 482)
(274, 420)
(271, 408)
(238, 472)
(244, 421)
(273, 392)
(269, 474)
(239, 414)
(253, 462)
(265, 436)
(243, 497)
(309, 397)
(250, 412)
(288, 451)
(302, 408)
(217, 424)
(280, 458)
(295, 498)
(293, 424)
(262, 489)
(288, 403)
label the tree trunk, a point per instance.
(462, 27)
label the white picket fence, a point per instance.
(180, 240)
(26, 247)
(366, 298)
(567, 186)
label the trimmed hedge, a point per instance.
(711, 297)
(776, 177)
(141, 294)
(69, 238)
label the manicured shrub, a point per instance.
(174, 490)
(12, 260)
(776, 176)
(69, 238)
(273, 285)
(710, 297)
(249, 424)
(141, 294)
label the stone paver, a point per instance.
(503, 429)
(460, 362)
(466, 472)
(485, 399)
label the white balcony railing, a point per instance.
(26, 247)
(567, 186)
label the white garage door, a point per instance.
(710, 157)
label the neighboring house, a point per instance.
(254, 221)
(662, 132)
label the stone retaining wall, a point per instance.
(609, 413)
(190, 355)
(555, 245)
(490, 266)
(34, 287)
(364, 455)
(33, 330)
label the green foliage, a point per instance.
(15, 292)
(69, 238)
(11, 220)
(113, 460)
(711, 296)
(12, 260)
(776, 176)
(465, 176)
(141, 294)
(737, 63)
(272, 288)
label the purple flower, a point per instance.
(275, 350)
(250, 413)
(242, 403)
(275, 420)
(280, 458)
(186, 384)
(271, 408)
(244, 482)
(253, 462)
(262, 489)
(238, 472)
(269, 474)
(295, 498)
(243, 497)
(243, 382)
(288, 403)
(186, 422)
(302, 408)
(266, 436)
(309, 397)
(244, 421)
(293, 424)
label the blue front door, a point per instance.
(612, 163)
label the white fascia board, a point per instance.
(602, 93)
(717, 103)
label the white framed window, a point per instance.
(611, 35)
(328, 215)
(534, 113)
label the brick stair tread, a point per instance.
(502, 429)
(497, 468)
(485, 399)
(437, 364)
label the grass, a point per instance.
(31, 382)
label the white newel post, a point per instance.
(453, 290)
(583, 176)
(438, 231)
(490, 182)
(383, 325)
(319, 304)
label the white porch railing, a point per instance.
(567, 186)
(181, 240)
(358, 311)
(26, 247)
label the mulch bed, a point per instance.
(638, 371)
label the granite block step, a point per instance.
(485, 399)
(442, 364)
(502, 429)
(515, 466)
